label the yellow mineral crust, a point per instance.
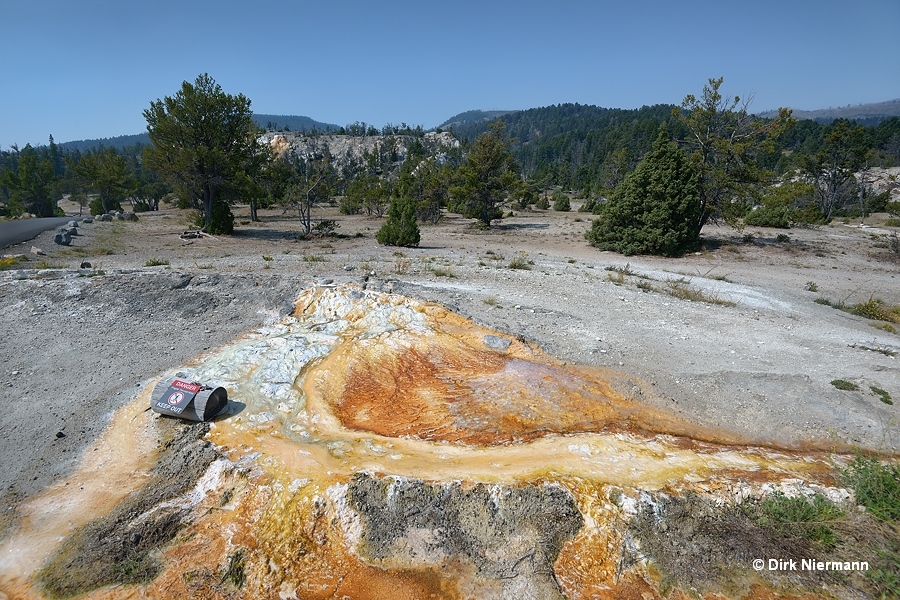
(378, 446)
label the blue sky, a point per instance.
(88, 68)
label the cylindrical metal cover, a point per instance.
(190, 400)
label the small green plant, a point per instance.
(884, 327)
(401, 266)
(843, 384)
(810, 518)
(681, 288)
(491, 300)
(811, 286)
(205, 266)
(314, 258)
(874, 309)
(156, 262)
(443, 272)
(11, 261)
(267, 258)
(520, 261)
(877, 487)
(46, 264)
(616, 278)
(883, 395)
(626, 270)
(561, 202)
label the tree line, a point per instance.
(206, 153)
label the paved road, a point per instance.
(22, 230)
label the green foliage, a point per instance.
(843, 384)
(811, 518)
(831, 168)
(106, 174)
(882, 394)
(367, 193)
(543, 202)
(655, 209)
(487, 177)
(95, 207)
(874, 308)
(400, 229)
(725, 142)
(204, 144)
(769, 216)
(561, 202)
(520, 261)
(877, 487)
(31, 185)
(156, 262)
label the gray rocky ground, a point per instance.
(75, 343)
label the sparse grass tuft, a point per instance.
(401, 265)
(843, 384)
(884, 327)
(314, 258)
(877, 487)
(874, 309)
(443, 272)
(520, 261)
(810, 518)
(267, 257)
(156, 262)
(883, 395)
(46, 264)
(681, 288)
(11, 261)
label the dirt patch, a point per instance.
(120, 547)
(512, 536)
(698, 543)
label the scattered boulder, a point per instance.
(62, 238)
(37, 251)
(88, 220)
(129, 217)
(105, 217)
(73, 224)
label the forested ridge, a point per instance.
(505, 158)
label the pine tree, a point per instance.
(655, 209)
(400, 229)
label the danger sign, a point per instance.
(176, 398)
(186, 386)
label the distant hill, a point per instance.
(293, 123)
(473, 117)
(864, 114)
(275, 122)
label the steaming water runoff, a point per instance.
(379, 446)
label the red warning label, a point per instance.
(184, 385)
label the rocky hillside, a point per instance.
(347, 149)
